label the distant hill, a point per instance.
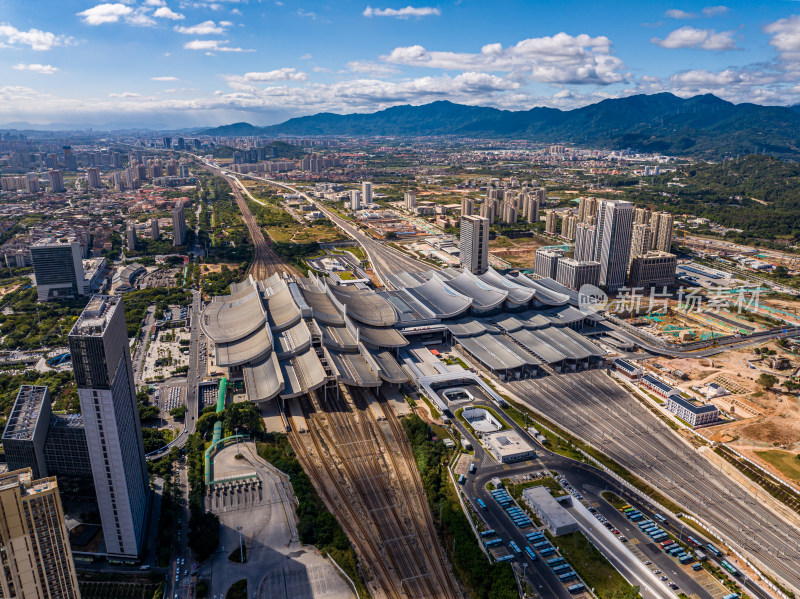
(663, 123)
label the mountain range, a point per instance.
(703, 125)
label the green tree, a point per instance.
(767, 381)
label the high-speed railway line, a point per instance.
(591, 406)
(365, 472)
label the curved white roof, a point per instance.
(365, 306)
(517, 294)
(225, 319)
(381, 336)
(390, 371)
(440, 299)
(283, 312)
(293, 340)
(321, 306)
(301, 374)
(263, 380)
(247, 349)
(352, 369)
(484, 296)
(543, 294)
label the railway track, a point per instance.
(265, 261)
(382, 506)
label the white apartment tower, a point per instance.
(467, 206)
(411, 200)
(640, 241)
(613, 241)
(662, 223)
(101, 361)
(355, 200)
(475, 244)
(366, 192)
(550, 221)
(93, 177)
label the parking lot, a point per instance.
(170, 398)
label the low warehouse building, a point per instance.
(508, 446)
(558, 520)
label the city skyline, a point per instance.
(208, 63)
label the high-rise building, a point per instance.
(26, 430)
(155, 234)
(130, 236)
(57, 181)
(179, 224)
(168, 143)
(411, 200)
(584, 242)
(58, 268)
(653, 269)
(70, 162)
(546, 263)
(662, 224)
(587, 208)
(568, 227)
(474, 244)
(355, 200)
(34, 542)
(488, 210)
(101, 361)
(613, 241)
(574, 273)
(641, 216)
(366, 192)
(467, 206)
(550, 221)
(93, 177)
(640, 241)
(531, 212)
(119, 182)
(183, 171)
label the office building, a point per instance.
(546, 262)
(57, 181)
(467, 206)
(26, 430)
(93, 177)
(355, 200)
(130, 236)
(155, 234)
(662, 224)
(101, 362)
(179, 224)
(574, 274)
(584, 242)
(550, 221)
(692, 411)
(366, 192)
(58, 268)
(66, 454)
(410, 200)
(640, 241)
(569, 226)
(612, 242)
(474, 244)
(168, 143)
(653, 269)
(34, 542)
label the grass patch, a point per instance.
(346, 275)
(785, 462)
(593, 567)
(460, 415)
(238, 590)
(615, 500)
(548, 481)
(435, 414)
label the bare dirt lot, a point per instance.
(517, 252)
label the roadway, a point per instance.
(594, 408)
(592, 482)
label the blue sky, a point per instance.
(204, 62)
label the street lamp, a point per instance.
(236, 432)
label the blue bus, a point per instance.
(540, 544)
(555, 561)
(480, 503)
(730, 568)
(660, 518)
(686, 559)
(493, 543)
(505, 558)
(567, 576)
(545, 551)
(562, 568)
(535, 536)
(529, 552)
(732, 596)
(697, 566)
(577, 588)
(487, 533)
(714, 550)
(514, 547)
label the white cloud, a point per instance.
(204, 28)
(676, 13)
(402, 13)
(140, 18)
(371, 68)
(245, 81)
(307, 13)
(126, 95)
(306, 56)
(704, 39)
(786, 39)
(36, 39)
(715, 11)
(560, 59)
(155, 3)
(212, 46)
(44, 69)
(167, 78)
(167, 13)
(105, 13)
